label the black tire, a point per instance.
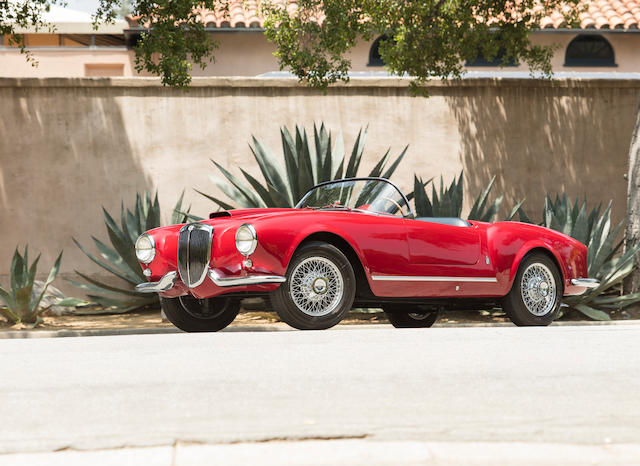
(410, 316)
(523, 314)
(283, 298)
(200, 315)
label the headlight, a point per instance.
(145, 248)
(246, 239)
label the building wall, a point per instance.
(70, 146)
(65, 62)
(249, 53)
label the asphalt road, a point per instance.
(569, 385)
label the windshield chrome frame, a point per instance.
(364, 178)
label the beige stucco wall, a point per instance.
(62, 62)
(249, 53)
(70, 146)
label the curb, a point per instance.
(21, 334)
(24, 334)
(338, 451)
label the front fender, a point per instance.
(305, 233)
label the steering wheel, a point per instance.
(388, 199)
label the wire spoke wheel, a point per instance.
(538, 289)
(316, 286)
(319, 290)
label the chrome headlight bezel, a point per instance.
(246, 239)
(145, 253)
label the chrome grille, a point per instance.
(194, 251)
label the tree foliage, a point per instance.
(424, 39)
(16, 15)
(174, 39)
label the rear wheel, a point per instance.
(200, 315)
(410, 316)
(536, 294)
(319, 290)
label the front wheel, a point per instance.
(410, 316)
(200, 315)
(319, 290)
(536, 294)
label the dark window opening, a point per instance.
(495, 61)
(96, 40)
(589, 50)
(132, 39)
(374, 53)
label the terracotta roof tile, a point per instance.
(598, 14)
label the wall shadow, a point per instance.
(65, 151)
(546, 138)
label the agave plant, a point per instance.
(120, 259)
(604, 261)
(22, 304)
(305, 165)
(447, 202)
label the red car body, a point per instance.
(395, 257)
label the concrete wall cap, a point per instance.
(357, 82)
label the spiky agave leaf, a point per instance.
(447, 202)
(120, 260)
(21, 303)
(421, 201)
(306, 163)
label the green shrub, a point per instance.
(605, 261)
(305, 165)
(120, 259)
(22, 304)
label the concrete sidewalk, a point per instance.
(342, 452)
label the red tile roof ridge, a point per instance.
(597, 14)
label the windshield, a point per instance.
(361, 194)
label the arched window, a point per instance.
(374, 54)
(589, 50)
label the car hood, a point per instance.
(252, 213)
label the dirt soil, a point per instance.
(151, 319)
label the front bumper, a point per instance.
(585, 282)
(169, 280)
(164, 284)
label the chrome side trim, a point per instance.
(585, 282)
(164, 284)
(248, 280)
(407, 278)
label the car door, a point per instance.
(442, 244)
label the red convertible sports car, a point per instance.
(356, 243)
